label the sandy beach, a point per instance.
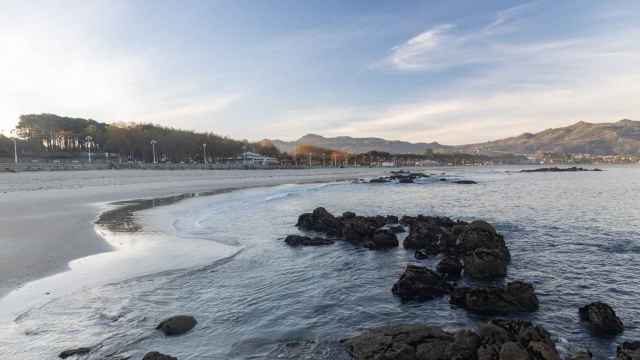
(48, 217)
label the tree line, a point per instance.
(50, 135)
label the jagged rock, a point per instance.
(497, 340)
(516, 297)
(421, 254)
(480, 234)
(420, 284)
(382, 239)
(177, 325)
(154, 355)
(379, 181)
(485, 264)
(450, 267)
(428, 235)
(72, 352)
(358, 229)
(629, 350)
(391, 219)
(602, 319)
(319, 220)
(298, 240)
(348, 215)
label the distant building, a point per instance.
(253, 158)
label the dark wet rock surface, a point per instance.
(154, 355)
(495, 340)
(516, 297)
(601, 319)
(299, 240)
(420, 283)
(74, 352)
(177, 325)
(629, 350)
(557, 169)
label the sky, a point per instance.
(455, 72)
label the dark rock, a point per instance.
(557, 169)
(497, 340)
(177, 325)
(420, 284)
(516, 297)
(297, 240)
(465, 182)
(391, 219)
(428, 235)
(379, 181)
(480, 234)
(319, 220)
(628, 351)
(443, 179)
(422, 254)
(485, 264)
(602, 319)
(382, 239)
(358, 229)
(405, 180)
(450, 267)
(154, 355)
(348, 215)
(72, 352)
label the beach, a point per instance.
(47, 218)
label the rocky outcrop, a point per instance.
(420, 284)
(496, 340)
(73, 352)
(450, 267)
(601, 319)
(177, 325)
(465, 182)
(629, 350)
(382, 239)
(154, 355)
(319, 220)
(516, 297)
(485, 253)
(485, 264)
(557, 169)
(298, 240)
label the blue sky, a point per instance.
(449, 71)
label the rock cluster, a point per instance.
(628, 351)
(420, 283)
(495, 340)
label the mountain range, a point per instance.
(621, 137)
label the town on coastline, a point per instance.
(51, 142)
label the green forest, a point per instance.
(53, 136)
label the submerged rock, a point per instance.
(420, 284)
(602, 319)
(177, 325)
(496, 340)
(516, 297)
(298, 240)
(581, 355)
(72, 352)
(154, 355)
(465, 182)
(628, 351)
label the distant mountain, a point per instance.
(358, 145)
(622, 137)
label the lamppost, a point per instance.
(15, 146)
(153, 149)
(309, 160)
(88, 142)
(204, 154)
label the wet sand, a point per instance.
(48, 219)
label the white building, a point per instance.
(253, 158)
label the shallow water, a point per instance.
(576, 236)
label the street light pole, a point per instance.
(309, 160)
(204, 154)
(15, 147)
(153, 149)
(88, 140)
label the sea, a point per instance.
(221, 258)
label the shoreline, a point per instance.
(74, 220)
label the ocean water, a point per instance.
(221, 258)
